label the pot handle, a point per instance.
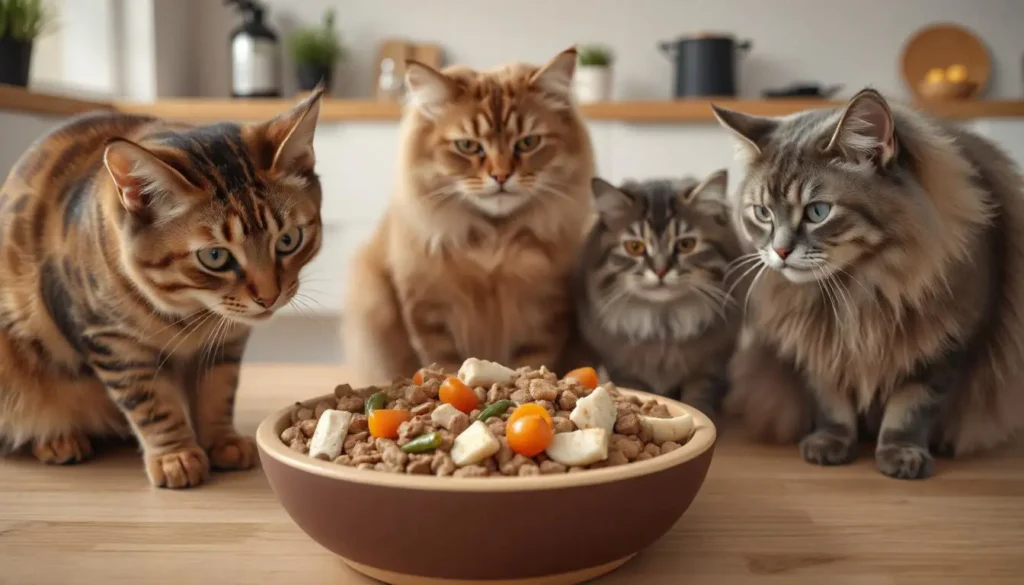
(668, 48)
(744, 46)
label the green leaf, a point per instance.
(317, 45)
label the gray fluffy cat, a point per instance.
(652, 306)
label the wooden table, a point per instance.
(763, 517)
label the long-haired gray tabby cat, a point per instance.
(651, 302)
(893, 287)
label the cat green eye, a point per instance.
(467, 146)
(817, 212)
(762, 213)
(527, 143)
(686, 244)
(289, 241)
(634, 247)
(216, 259)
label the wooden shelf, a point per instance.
(669, 111)
(19, 99)
(205, 110)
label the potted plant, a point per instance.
(593, 79)
(316, 50)
(21, 22)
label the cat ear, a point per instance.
(293, 132)
(429, 89)
(749, 131)
(711, 190)
(144, 181)
(614, 206)
(554, 80)
(865, 131)
(711, 194)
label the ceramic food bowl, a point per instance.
(427, 530)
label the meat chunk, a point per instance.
(496, 393)
(308, 427)
(359, 424)
(423, 408)
(419, 464)
(415, 395)
(567, 400)
(471, 471)
(442, 464)
(351, 403)
(543, 390)
(552, 468)
(669, 446)
(521, 396)
(627, 424)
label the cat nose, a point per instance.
(783, 252)
(661, 272)
(264, 301)
(500, 178)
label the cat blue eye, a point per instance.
(216, 259)
(817, 212)
(762, 213)
(289, 241)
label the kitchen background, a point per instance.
(173, 57)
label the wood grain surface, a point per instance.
(763, 517)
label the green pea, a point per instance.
(496, 409)
(375, 401)
(423, 443)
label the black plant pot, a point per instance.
(15, 59)
(311, 74)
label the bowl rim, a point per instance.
(703, 438)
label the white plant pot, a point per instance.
(593, 84)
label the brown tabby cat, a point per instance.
(473, 256)
(134, 255)
(892, 286)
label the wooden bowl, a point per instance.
(426, 530)
(940, 45)
(946, 90)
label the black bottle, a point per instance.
(255, 54)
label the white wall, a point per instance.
(855, 43)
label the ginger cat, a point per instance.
(474, 254)
(134, 256)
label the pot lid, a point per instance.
(706, 34)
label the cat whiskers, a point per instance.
(757, 278)
(751, 267)
(739, 263)
(825, 287)
(719, 300)
(190, 328)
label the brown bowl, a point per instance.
(946, 90)
(548, 529)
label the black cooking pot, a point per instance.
(705, 65)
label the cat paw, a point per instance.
(232, 452)
(74, 447)
(182, 468)
(905, 461)
(825, 448)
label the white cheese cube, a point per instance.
(579, 448)
(474, 445)
(676, 429)
(329, 436)
(443, 415)
(482, 373)
(596, 411)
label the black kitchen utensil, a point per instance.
(705, 65)
(813, 90)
